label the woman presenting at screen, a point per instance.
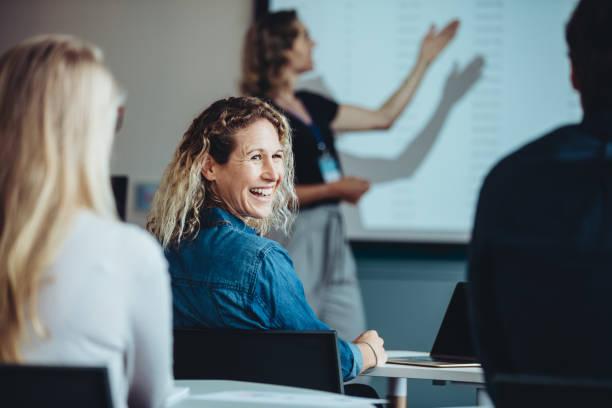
(277, 50)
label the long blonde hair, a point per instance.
(184, 192)
(58, 107)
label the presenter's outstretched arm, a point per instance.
(354, 118)
(458, 83)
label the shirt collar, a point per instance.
(212, 217)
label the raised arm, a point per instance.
(353, 118)
(458, 83)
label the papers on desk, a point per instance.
(176, 395)
(288, 399)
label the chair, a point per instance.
(119, 185)
(543, 391)
(307, 359)
(54, 386)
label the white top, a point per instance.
(108, 302)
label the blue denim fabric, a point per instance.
(229, 277)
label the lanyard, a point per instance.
(328, 164)
(316, 133)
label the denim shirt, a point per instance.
(230, 277)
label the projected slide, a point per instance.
(502, 82)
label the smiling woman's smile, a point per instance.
(263, 192)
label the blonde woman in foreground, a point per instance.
(77, 287)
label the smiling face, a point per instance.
(248, 182)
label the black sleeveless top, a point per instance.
(304, 142)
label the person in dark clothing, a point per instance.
(541, 250)
(278, 49)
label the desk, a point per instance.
(199, 387)
(397, 375)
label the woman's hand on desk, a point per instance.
(371, 346)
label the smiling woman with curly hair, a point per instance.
(231, 179)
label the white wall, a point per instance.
(174, 57)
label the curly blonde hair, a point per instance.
(263, 56)
(184, 192)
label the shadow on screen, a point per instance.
(458, 83)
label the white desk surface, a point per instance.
(458, 374)
(199, 387)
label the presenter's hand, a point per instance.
(435, 41)
(350, 188)
(372, 350)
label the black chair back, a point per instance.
(120, 192)
(295, 358)
(54, 386)
(543, 391)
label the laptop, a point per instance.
(453, 346)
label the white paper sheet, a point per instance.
(280, 398)
(176, 395)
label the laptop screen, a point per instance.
(454, 339)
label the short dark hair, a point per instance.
(589, 38)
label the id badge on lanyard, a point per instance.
(328, 165)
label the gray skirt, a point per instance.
(325, 264)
